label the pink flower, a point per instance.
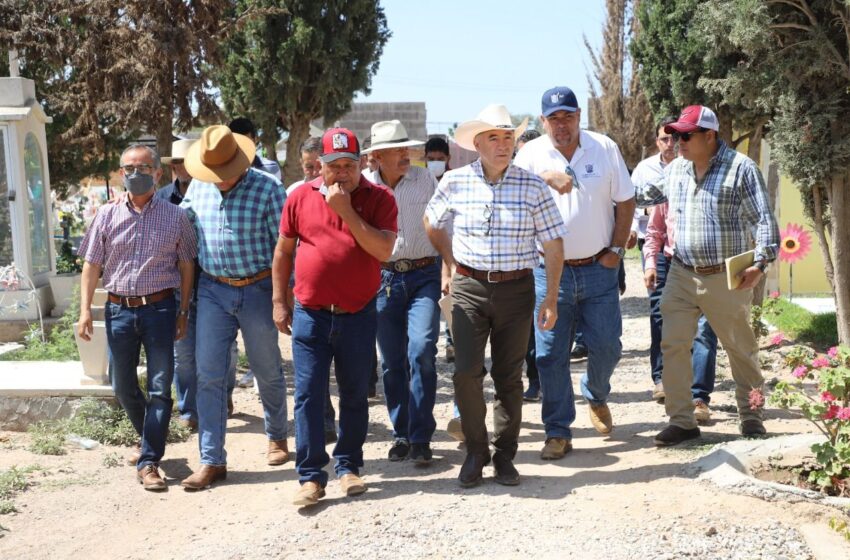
(820, 362)
(832, 352)
(778, 339)
(826, 396)
(774, 294)
(800, 372)
(756, 399)
(831, 412)
(843, 413)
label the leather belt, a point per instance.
(406, 265)
(492, 276)
(701, 270)
(241, 282)
(139, 301)
(585, 261)
(335, 309)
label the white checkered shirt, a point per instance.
(495, 227)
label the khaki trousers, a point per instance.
(686, 295)
(501, 313)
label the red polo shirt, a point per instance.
(330, 267)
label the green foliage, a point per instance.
(48, 438)
(111, 460)
(59, 346)
(13, 482)
(67, 261)
(300, 61)
(109, 425)
(828, 409)
(840, 526)
(818, 329)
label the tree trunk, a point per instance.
(754, 144)
(841, 248)
(299, 129)
(724, 117)
(164, 137)
(820, 233)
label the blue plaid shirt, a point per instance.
(725, 214)
(237, 231)
(495, 227)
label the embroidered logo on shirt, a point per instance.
(340, 142)
(588, 168)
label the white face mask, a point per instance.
(437, 168)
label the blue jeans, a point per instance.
(588, 301)
(319, 337)
(703, 352)
(153, 327)
(185, 377)
(222, 310)
(408, 328)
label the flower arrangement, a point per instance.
(828, 408)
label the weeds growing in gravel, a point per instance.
(13, 482)
(58, 346)
(48, 438)
(111, 460)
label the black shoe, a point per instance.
(506, 473)
(672, 435)
(420, 453)
(579, 354)
(399, 451)
(753, 427)
(470, 472)
(373, 392)
(532, 394)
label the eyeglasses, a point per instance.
(143, 169)
(488, 218)
(686, 136)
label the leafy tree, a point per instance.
(300, 61)
(109, 69)
(800, 53)
(619, 109)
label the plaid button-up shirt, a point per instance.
(495, 227)
(725, 214)
(139, 250)
(237, 231)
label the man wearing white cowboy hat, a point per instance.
(594, 246)
(408, 313)
(235, 210)
(496, 211)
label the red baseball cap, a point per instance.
(339, 143)
(692, 118)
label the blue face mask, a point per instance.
(138, 183)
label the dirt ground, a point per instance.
(612, 497)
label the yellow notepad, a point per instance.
(737, 264)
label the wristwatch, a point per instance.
(182, 312)
(619, 251)
(761, 265)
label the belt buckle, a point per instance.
(489, 281)
(403, 265)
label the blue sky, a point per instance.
(460, 55)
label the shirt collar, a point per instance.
(154, 200)
(478, 168)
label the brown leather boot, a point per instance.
(278, 452)
(134, 455)
(204, 477)
(150, 479)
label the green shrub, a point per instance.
(109, 425)
(13, 482)
(58, 346)
(48, 438)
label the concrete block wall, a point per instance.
(363, 115)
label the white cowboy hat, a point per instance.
(178, 150)
(389, 134)
(492, 117)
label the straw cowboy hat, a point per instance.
(219, 155)
(492, 117)
(178, 151)
(389, 134)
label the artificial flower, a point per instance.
(796, 243)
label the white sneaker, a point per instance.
(247, 380)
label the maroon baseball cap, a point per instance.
(692, 118)
(339, 143)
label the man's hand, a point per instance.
(558, 180)
(650, 275)
(633, 239)
(338, 199)
(548, 314)
(84, 326)
(749, 277)
(446, 275)
(182, 326)
(282, 315)
(609, 260)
